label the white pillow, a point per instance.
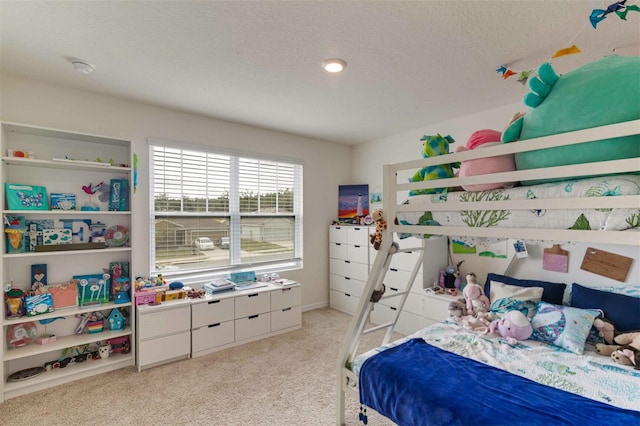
(505, 297)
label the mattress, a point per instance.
(589, 375)
(586, 219)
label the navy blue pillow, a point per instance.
(552, 292)
(622, 310)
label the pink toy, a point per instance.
(513, 326)
(481, 166)
(474, 296)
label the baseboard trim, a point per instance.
(324, 304)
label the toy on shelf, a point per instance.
(91, 322)
(450, 279)
(22, 334)
(91, 190)
(14, 302)
(115, 320)
(14, 230)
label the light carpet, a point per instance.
(289, 379)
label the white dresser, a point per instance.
(348, 265)
(351, 257)
(236, 317)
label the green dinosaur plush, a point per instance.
(602, 92)
(432, 146)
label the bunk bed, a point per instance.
(446, 374)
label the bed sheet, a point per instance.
(594, 219)
(589, 375)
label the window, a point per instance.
(214, 213)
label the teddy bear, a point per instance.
(481, 166)
(476, 300)
(381, 225)
(625, 350)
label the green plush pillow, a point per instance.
(602, 92)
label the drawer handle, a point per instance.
(394, 289)
(338, 244)
(347, 261)
(253, 316)
(355, 245)
(286, 289)
(393, 269)
(347, 278)
(357, 229)
(393, 309)
(214, 301)
(347, 294)
(286, 309)
(214, 325)
(252, 295)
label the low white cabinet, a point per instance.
(164, 333)
(232, 318)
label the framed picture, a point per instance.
(353, 201)
(26, 197)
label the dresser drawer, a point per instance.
(164, 348)
(164, 322)
(252, 304)
(346, 285)
(285, 318)
(337, 251)
(211, 312)
(338, 234)
(253, 326)
(210, 336)
(358, 235)
(286, 298)
(359, 271)
(358, 253)
(343, 302)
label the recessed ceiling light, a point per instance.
(82, 67)
(333, 65)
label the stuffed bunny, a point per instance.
(474, 296)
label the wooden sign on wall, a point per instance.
(607, 264)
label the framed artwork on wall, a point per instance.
(353, 201)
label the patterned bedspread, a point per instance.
(595, 219)
(589, 375)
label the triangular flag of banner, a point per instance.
(567, 51)
(508, 74)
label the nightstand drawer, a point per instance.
(211, 312)
(252, 304)
(212, 335)
(285, 318)
(252, 326)
(286, 298)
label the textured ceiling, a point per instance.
(410, 63)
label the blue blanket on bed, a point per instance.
(418, 384)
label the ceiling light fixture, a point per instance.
(333, 65)
(82, 67)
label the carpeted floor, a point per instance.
(289, 379)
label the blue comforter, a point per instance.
(418, 384)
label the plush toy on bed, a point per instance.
(513, 326)
(376, 238)
(481, 166)
(431, 147)
(589, 96)
(625, 349)
(457, 308)
(476, 301)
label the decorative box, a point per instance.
(26, 197)
(145, 297)
(60, 201)
(174, 295)
(93, 289)
(95, 326)
(39, 304)
(119, 196)
(56, 236)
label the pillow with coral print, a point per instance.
(563, 326)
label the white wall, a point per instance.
(326, 165)
(369, 158)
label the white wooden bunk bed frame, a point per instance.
(347, 381)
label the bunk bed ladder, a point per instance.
(361, 316)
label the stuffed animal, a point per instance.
(457, 308)
(431, 147)
(474, 296)
(381, 225)
(513, 326)
(626, 351)
(482, 166)
(588, 96)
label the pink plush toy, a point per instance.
(481, 166)
(474, 296)
(513, 326)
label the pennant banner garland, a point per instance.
(597, 15)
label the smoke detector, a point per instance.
(82, 66)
